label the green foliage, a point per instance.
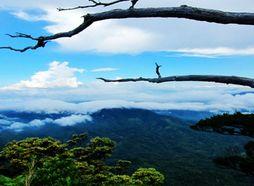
(20, 153)
(58, 171)
(117, 180)
(242, 162)
(6, 181)
(122, 166)
(233, 124)
(100, 148)
(148, 176)
(49, 162)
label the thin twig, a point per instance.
(95, 4)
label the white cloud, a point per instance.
(19, 126)
(213, 52)
(26, 16)
(107, 37)
(4, 122)
(73, 120)
(64, 121)
(105, 69)
(58, 75)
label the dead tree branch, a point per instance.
(206, 78)
(187, 12)
(134, 2)
(94, 4)
(158, 70)
(41, 42)
(21, 35)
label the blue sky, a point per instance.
(124, 48)
(16, 66)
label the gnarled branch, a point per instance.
(187, 12)
(207, 78)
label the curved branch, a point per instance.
(207, 78)
(187, 12)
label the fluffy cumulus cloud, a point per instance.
(133, 36)
(58, 75)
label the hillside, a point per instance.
(150, 140)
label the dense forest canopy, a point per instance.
(46, 161)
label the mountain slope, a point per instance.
(152, 140)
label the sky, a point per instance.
(62, 76)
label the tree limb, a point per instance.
(207, 78)
(187, 12)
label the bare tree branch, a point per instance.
(21, 35)
(134, 2)
(20, 50)
(158, 70)
(187, 12)
(207, 78)
(95, 4)
(40, 43)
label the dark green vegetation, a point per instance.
(183, 155)
(46, 161)
(232, 124)
(235, 124)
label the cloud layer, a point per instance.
(92, 97)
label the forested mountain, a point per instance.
(167, 143)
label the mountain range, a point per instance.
(159, 139)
